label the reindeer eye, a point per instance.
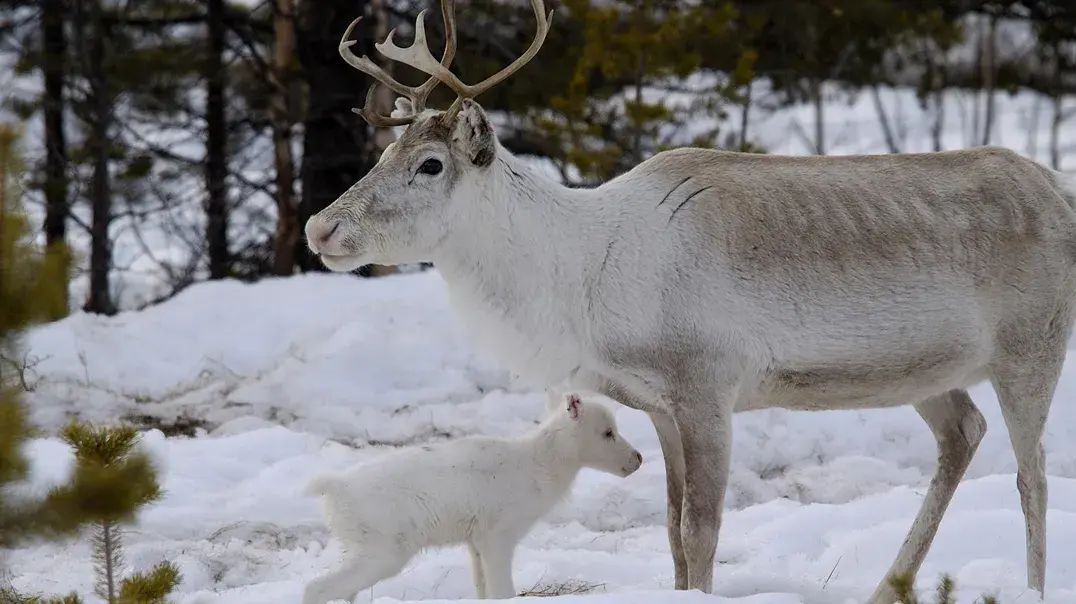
(609, 434)
(431, 167)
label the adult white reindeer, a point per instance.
(702, 283)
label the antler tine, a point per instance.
(418, 56)
(365, 65)
(448, 14)
(374, 118)
(417, 94)
(514, 66)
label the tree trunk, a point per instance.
(216, 162)
(976, 93)
(100, 297)
(883, 119)
(1055, 131)
(55, 46)
(637, 130)
(1032, 127)
(335, 140)
(1057, 97)
(989, 74)
(287, 225)
(938, 93)
(819, 117)
(745, 117)
(385, 100)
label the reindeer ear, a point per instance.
(403, 107)
(575, 406)
(475, 133)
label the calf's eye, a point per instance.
(609, 434)
(431, 166)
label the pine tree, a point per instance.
(110, 480)
(99, 452)
(613, 113)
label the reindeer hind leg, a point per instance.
(958, 428)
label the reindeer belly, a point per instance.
(861, 385)
(896, 359)
(873, 344)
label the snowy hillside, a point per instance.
(289, 376)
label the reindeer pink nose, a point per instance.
(319, 235)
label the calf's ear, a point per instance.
(575, 406)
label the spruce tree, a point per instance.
(110, 480)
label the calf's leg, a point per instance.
(357, 572)
(478, 575)
(497, 553)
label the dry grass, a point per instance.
(567, 588)
(182, 425)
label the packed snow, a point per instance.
(286, 378)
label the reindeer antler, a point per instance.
(417, 94)
(418, 56)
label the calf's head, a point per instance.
(403, 209)
(594, 429)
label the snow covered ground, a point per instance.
(292, 376)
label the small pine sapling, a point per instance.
(150, 587)
(110, 451)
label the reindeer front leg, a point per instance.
(672, 450)
(705, 428)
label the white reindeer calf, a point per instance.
(484, 491)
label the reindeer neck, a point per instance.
(516, 266)
(556, 455)
(524, 231)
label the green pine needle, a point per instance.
(152, 587)
(105, 445)
(944, 591)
